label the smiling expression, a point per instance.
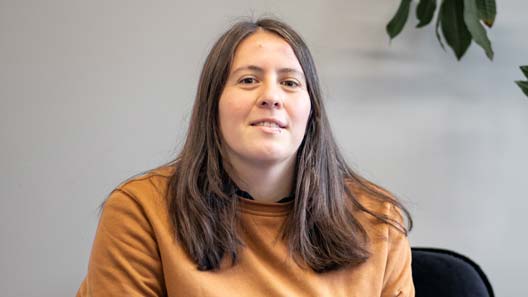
(265, 105)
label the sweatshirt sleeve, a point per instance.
(398, 274)
(125, 259)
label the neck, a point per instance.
(265, 182)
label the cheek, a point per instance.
(232, 111)
(302, 113)
(225, 108)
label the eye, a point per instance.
(247, 80)
(290, 83)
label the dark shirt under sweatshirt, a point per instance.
(246, 195)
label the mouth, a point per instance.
(271, 123)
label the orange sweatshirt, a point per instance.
(134, 254)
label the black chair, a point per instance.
(444, 273)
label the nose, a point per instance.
(271, 97)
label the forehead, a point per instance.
(265, 46)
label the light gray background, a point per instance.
(93, 92)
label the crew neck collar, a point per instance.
(246, 195)
(272, 209)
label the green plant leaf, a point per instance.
(454, 29)
(425, 12)
(396, 24)
(523, 85)
(438, 19)
(471, 18)
(487, 11)
(524, 69)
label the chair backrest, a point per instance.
(440, 272)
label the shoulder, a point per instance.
(376, 199)
(153, 179)
(382, 216)
(138, 205)
(146, 189)
(376, 208)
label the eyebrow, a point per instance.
(260, 70)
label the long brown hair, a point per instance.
(320, 230)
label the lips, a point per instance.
(269, 122)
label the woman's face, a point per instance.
(264, 107)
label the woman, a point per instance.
(259, 202)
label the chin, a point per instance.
(261, 153)
(267, 155)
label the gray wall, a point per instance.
(93, 92)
